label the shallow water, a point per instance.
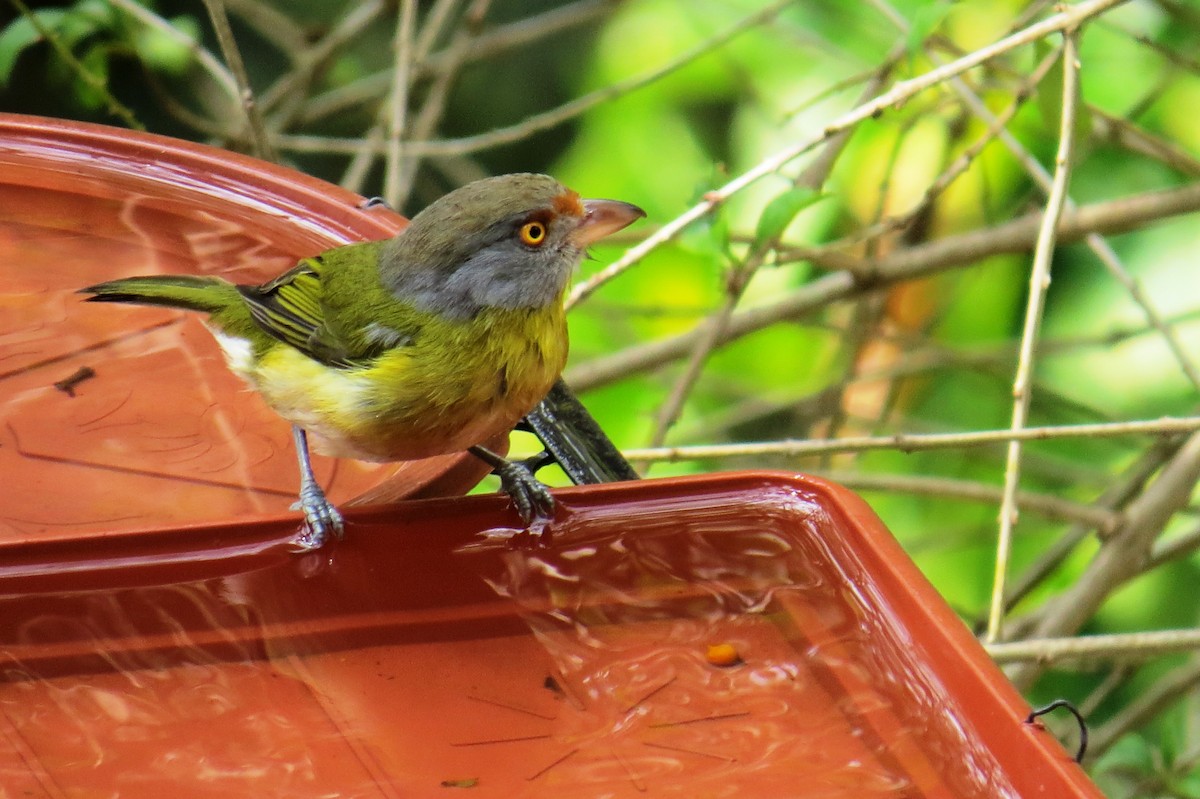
(430, 649)
(146, 425)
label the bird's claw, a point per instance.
(530, 495)
(321, 518)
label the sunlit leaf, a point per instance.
(164, 53)
(780, 212)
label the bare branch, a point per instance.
(897, 96)
(1051, 507)
(233, 57)
(1123, 553)
(1039, 282)
(1114, 216)
(398, 101)
(310, 59)
(909, 442)
(1146, 706)
(1123, 646)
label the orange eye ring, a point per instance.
(533, 234)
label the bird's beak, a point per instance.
(602, 217)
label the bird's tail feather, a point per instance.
(194, 293)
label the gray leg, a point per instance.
(529, 494)
(320, 517)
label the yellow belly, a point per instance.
(457, 386)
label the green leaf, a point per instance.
(95, 62)
(720, 234)
(167, 54)
(19, 35)
(78, 24)
(780, 212)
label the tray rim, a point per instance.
(990, 703)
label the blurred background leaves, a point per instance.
(662, 102)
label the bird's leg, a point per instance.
(529, 494)
(320, 517)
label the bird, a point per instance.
(427, 343)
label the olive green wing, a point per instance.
(295, 308)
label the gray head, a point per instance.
(510, 242)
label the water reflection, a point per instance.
(158, 432)
(421, 652)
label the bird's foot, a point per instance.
(529, 494)
(321, 518)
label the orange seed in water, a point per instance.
(722, 655)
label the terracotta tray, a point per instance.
(122, 418)
(437, 651)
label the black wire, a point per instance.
(1083, 729)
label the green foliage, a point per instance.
(167, 54)
(81, 44)
(780, 212)
(78, 29)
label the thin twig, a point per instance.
(398, 101)
(274, 25)
(355, 176)
(1122, 554)
(433, 27)
(908, 442)
(259, 140)
(1148, 704)
(1116, 676)
(897, 96)
(309, 60)
(500, 39)
(1120, 646)
(1113, 216)
(439, 90)
(1177, 547)
(547, 119)
(524, 32)
(1119, 494)
(1049, 506)
(1135, 139)
(1039, 282)
(813, 177)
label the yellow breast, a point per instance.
(457, 385)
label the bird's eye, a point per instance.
(533, 233)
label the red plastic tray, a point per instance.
(438, 650)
